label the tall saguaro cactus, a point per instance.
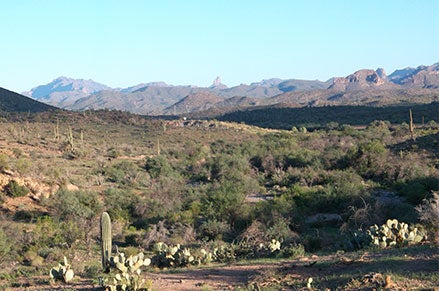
(411, 125)
(105, 240)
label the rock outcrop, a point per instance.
(361, 79)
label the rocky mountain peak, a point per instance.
(217, 81)
(358, 80)
(217, 84)
(422, 76)
(382, 73)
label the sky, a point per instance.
(124, 43)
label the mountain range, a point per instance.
(363, 87)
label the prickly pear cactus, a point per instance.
(394, 233)
(105, 240)
(62, 272)
(126, 275)
(274, 245)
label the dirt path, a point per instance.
(219, 278)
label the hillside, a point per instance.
(147, 100)
(194, 102)
(368, 96)
(319, 117)
(14, 102)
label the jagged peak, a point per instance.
(216, 84)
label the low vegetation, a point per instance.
(191, 193)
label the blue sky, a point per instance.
(123, 43)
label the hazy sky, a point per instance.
(123, 43)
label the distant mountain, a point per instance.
(362, 79)
(271, 87)
(217, 84)
(14, 102)
(422, 76)
(239, 101)
(366, 96)
(373, 87)
(194, 102)
(139, 102)
(154, 97)
(302, 85)
(143, 85)
(64, 91)
(399, 75)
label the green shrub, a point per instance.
(312, 243)
(214, 229)
(123, 173)
(157, 166)
(50, 232)
(13, 189)
(22, 165)
(4, 162)
(6, 246)
(79, 206)
(428, 212)
(121, 204)
(280, 229)
(418, 189)
(293, 251)
(370, 159)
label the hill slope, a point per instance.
(14, 102)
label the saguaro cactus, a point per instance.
(411, 125)
(106, 240)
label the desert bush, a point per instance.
(370, 159)
(123, 173)
(50, 232)
(428, 211)
(312, 243)
(225, 200)
(157, 166)
(378, 129)
(6, 246)
(418, 189)
(22, 165)
(280, 229)
(300, 158)
(113, 153)
(293, 250)
(121, 204)
(13, 189)
(74, 205)
(340, 189)
(213, 229)
(4, 162)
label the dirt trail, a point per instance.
(221, 278)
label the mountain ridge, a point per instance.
(156, 98)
